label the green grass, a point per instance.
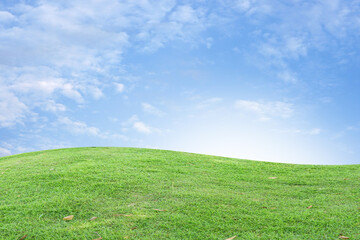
(205, 197)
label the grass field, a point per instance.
(156, 194)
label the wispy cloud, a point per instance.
(57, 47)
(119, 87)
(350, 129)
(325, 26)
(82, 128)
(38, 83)
(287, 76)
(186, 14)
(52, 106)
(95, 92)
(12, 111)
(142, 127)
(308, 132)
(266, 110)
(78, 127)
(4, 152)
(209, 102)
(134, 123)
(315, 131)
(184, 23)
(148, 108)
(6, 16)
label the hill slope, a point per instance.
(156, 194)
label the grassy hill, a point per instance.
(155, 194)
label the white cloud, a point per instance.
(95, 92)
(281, 48)
(315, 131)
(243, 5)
(119, 87)
(52, 106)
(309, 132)
(352, 128)
(266, 110)
(184, 23)
(148, 108)
(325, 99)
(142, 127)
(325, 26)
(134, 123)
(6, 16)
(54, 47)
(33, 81)
(43, 82)
(129, 122)
(208, 102)
(288, 76)
(269, 50)
(78, 127)
(12, 110)
(346, 131)
(82, 128)
(295, 47)
(209, 42)
(318, 19)
(69, 91)
(184, 14)
(4, 152)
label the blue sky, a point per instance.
(257, 79)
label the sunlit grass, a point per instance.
(199, 197)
